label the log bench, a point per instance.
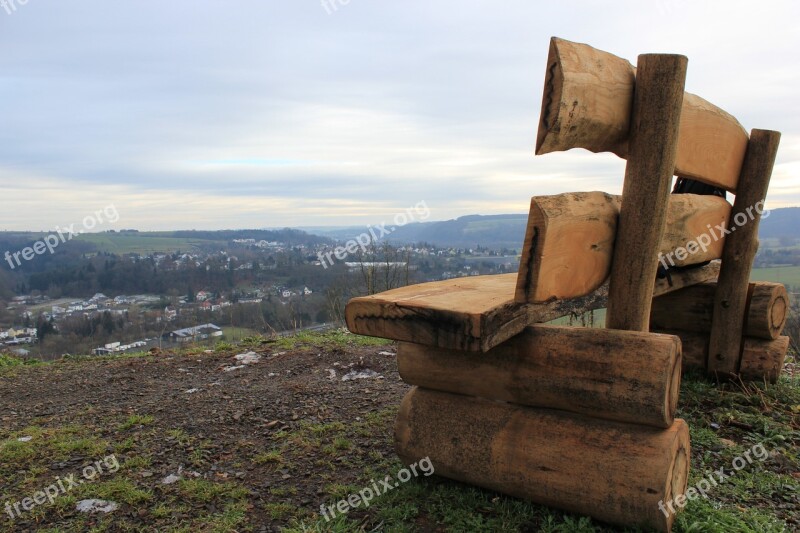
(578, 418)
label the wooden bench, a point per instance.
(578, 418)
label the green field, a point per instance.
(125, 243)
(786, 275)
(234, 334)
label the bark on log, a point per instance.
(741, 244)
(762, 360)
(691, 309)
(570, 237)
(616, 375)
(587, 102)
(614, 472)
(476, 313)
(653, 144)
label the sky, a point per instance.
(196, 114)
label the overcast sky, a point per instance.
(266, 113)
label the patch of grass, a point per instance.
(281, 492)
(8, 360)
(205, 491)
(120, 490)
(223, 347)
(270, 457)
(163, 510)
(230, 519)
(281, 511)
(136, 420)
(139, 462)
(334, 338)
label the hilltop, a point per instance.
(205, 442)
(508, 231)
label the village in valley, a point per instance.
(89, 300)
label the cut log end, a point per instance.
(569, 117)
(553, 82)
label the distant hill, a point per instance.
(780, 223)
(491, 231)
(508, 231)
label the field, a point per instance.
(132, 243)
(186, 445)
(789, 275)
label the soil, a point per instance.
(235, 414)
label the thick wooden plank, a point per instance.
(616, 375)
(762, 360)
(568, 245)
(614, 472)
(587, 103)
(648, 176)
(476, 313)
(730, 298)
(570, 237)
(691, 309)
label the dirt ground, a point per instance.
(202, 419)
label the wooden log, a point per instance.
(587, 103)
(741, 244)
(691, 309)
(570, 237)
(767, 310)
(476, 313)
(616, 375)
(614, 472)
(648, 176)
(762, 360)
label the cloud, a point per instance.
(201, 115)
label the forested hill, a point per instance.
(508, 231)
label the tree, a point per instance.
(44, 327)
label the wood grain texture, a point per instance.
(762, 360)
(614, 472)
(570, 237)
(476, 313)
(767, 310)
(691, 309)
(616, 375)
(646, 190)
(730, 299)
(587, 103)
